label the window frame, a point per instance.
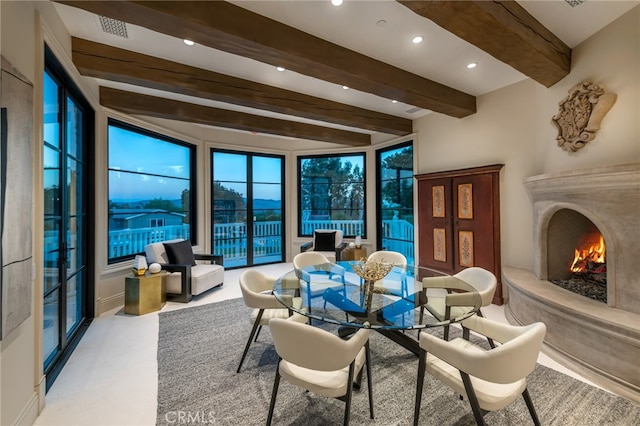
(193, 184)
(301, 158)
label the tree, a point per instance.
(332, 187)
(161, 204)
(229, 206)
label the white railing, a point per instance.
(230, 239)
(130, 241)
(349, 227)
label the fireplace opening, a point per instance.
(576, 251)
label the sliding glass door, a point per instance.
(247, 207)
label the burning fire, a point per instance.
(590, 255)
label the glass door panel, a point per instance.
(66, 305)
(247, 208)
(230, 208)
(395, 200)
(267, 210)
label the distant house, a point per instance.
(143, 218)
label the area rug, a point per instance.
(199, 349)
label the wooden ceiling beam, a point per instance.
(230, 28)
(111, 63)
(153, 106)
(506, 31)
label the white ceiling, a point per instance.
(357, 25)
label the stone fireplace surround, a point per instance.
(600, 341)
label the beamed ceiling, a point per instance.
(146, 73)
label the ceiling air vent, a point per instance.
(413, 110)
(113, 26)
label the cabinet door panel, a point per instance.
(473, 221)
(435, 210)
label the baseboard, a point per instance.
(108, 303)
(29, 412)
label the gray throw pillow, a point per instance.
(180, 253)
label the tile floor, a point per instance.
(111, 378)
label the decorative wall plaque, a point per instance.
(580, 115)
(465, 201)
(437, 193)
(465, 244)
(439, 245)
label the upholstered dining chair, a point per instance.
(319, 361)
(256, 291)
(329, 242)
(482, 280)
(334, 273)
(400, 265)
(489, 379)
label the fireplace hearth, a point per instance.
(593, 324)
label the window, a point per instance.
(156, 223)
(331, 194)
(151, 178)
(394, 188)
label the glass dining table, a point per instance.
(401, 300)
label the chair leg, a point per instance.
(347, 397)
(473, 400)
(255, 339)
(274, 393)
(422, 365)
(447, 317)
(532, 410)
(369, 380)
(256, 324)
(489, 339)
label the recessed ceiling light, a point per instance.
(472, 65)
(345, 87)
(280, 69)
(189, 42)
(336, 2)
(416, 40)
(394, 101)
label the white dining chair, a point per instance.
(320, 362)
(489, 379)
(256, 292)
(482, 280)
(315, 288)
(397, 287)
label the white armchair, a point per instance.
(329, 242)
(186, 277)
(489, 379)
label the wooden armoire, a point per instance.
(459, 220)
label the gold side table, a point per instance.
(145, 293)
(354, 253)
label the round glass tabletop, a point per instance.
(410, 297)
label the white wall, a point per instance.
(513, 126)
